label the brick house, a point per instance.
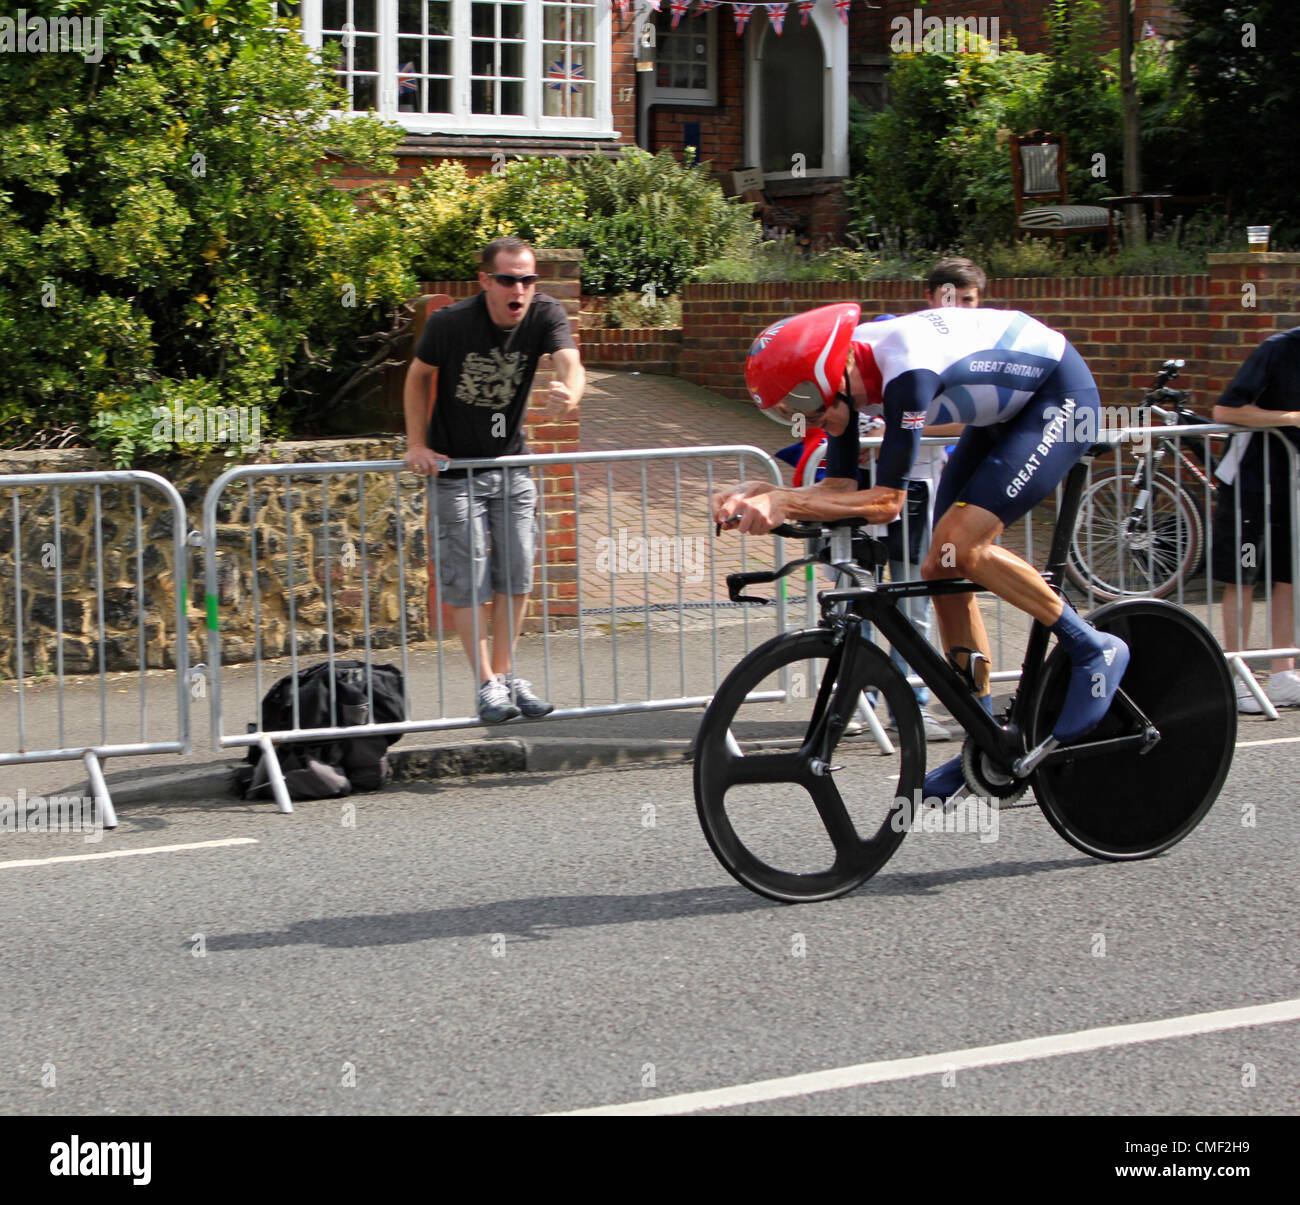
(477, 80)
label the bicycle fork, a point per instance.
(836, 700)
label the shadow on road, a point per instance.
(536, 918)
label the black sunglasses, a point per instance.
(504, 278)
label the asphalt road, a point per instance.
(543, 944)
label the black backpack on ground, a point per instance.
(329, 768)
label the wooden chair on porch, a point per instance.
(1042, 192)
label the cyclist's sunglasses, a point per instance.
(509, 282)
(806, 399)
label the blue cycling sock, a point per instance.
(1098, 662)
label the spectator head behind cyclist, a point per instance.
(799, 368)
(954, 282)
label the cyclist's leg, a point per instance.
(1036, 450)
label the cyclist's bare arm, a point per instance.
(756, 512)
(1256, 416)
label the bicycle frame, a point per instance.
(1005, 746)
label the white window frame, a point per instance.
(835, 92)
(462, 120)
(706, 96)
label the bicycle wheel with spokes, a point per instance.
(778, 827)
(1116, 553)
(1130, 804)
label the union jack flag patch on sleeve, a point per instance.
(913, 420)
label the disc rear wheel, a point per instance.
(1132, 804)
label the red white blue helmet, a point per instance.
(796, 366)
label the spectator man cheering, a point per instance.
(478, 358)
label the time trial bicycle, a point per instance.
(799, 812)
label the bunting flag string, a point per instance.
(742, 10)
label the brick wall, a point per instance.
(1124, 326)
(637, 349)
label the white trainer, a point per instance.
(1284, 688)
(934, 731)
(1247, 704)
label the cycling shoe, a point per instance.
(1094, 679)
(945, 781)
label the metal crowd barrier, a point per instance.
(601, 630)
(1149, 506)
(34, 540)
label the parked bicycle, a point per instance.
(1141, 530)
(797, 811)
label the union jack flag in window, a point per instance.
(557, 76)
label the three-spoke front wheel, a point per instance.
(779, 826)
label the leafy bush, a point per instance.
(935, 168)
(169, 231)
(450, 215)
(651, 220)
(934, 163)
(1236, 67)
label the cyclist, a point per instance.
(1022, 392)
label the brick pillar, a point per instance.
(1251, 297)
(560, 272)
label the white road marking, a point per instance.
(128, 853)
(953, 1060)
(1279, 740)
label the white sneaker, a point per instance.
(1284, 688)
(1247, 704)
(934, 731)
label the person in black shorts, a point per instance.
(478, 358)
(1253, 535)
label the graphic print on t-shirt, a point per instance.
(491, 379)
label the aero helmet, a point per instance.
(798, 364)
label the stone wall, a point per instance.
(301, 555)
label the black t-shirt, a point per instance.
(1269, 379)
(485, 373)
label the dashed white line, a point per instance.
(1277, 740)
(953, 1060)
(128, 853)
